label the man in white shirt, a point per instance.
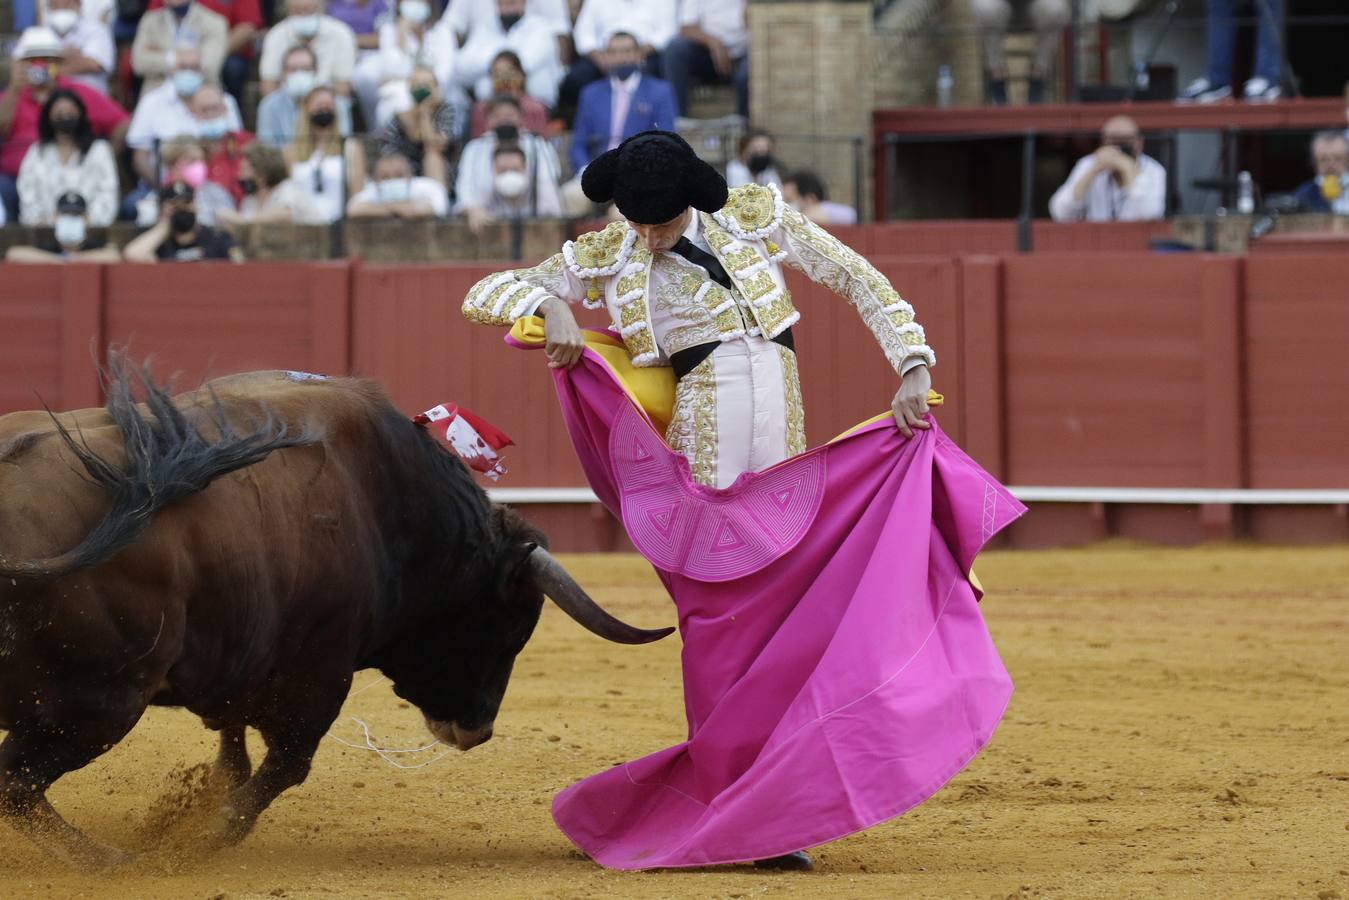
(517, 27)
(713, 45)
(1117, 183)
(395, 193)
(466, 17)
(87, 43)
(476, 180)
(511, 195)
(333, 43)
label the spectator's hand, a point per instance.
(16, 81)
(433, 141)
(910, 403)
(478, 219)
(563, 340)
(1110, 158)
(721, 57)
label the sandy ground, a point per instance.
(1180, 728)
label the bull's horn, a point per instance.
(554, 581)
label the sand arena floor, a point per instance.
(1180, 728)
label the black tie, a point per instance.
(699, 257)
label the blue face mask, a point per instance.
(186, 82)
(624, 72)
(215, 129)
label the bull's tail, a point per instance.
(167, 458)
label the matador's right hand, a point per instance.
(564, 342)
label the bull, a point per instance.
(240, 551)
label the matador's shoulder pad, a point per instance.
(600, 253)
(752, 211)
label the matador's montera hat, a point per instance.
(654, 176)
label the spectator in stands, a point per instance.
(467, 18)
(71, 241)
(395, 193)
(754, 162)
(1047, 17)
(179, 235)
(478, 169)
(333, 43)
(1221, 28)
(804, 191)
(244, 20)
(1328, 192)
(363, 17)
(32, 79)
(621, 105)
(221, 143)
(326, 166)
(277, 112)
(185, 161)
(508, 77)
(405, 41)
(532, 36)
(1117, 183)
(425, 132)
(154, 53)
(652, 23)
(270, 196)
(89, 53)
(67, 158)
(511, 196)
(712, 46)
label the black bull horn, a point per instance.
(553, 580)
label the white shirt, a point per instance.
(533, 39)
(620, 104)
(43, 178)
(94, 40)
(473, 187)
(737, 173)
(723, 19)
(327, 190)
(286, 195)
(1107, 200)
(420, 187)
(334, 45)
(467, 17)
(161, 115)
(652, 22)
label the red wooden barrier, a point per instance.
(51, 334)
(1096, 237)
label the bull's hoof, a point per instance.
(230, 828)
(790, 862)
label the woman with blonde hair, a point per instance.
(185, 161)
(325, 165)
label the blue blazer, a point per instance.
(652, 106)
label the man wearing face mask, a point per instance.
(220, 141)
(477, 172)
(508, 78)
(70, 241)
(178, 236)
(1117, 183)
(245, 22)
(511, 194)
(333, 43)
(277, 111)
(395, 193)
(1328, 192)
(154, 53)
(33, 75)
(89, 52)
(529, 34)
(621, 105)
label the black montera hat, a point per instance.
(653, 177)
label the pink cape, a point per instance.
(837, 671)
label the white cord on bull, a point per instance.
(383, 752)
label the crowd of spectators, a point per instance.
(488, 109)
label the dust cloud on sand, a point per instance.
(1180, 728)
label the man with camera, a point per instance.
(1117, 183)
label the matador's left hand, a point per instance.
(910, 403)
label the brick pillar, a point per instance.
(811, 74)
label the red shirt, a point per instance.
(236, 12)
(104, 116)
(223, 167)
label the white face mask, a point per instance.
(70, 230)
(415, 11)
(299, 84)
(305, 26)
(62, 21)
(393, 190)
(186, 82)
(511, 183)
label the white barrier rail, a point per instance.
(1240, 496)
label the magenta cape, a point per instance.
(837, 671)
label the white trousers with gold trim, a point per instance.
(739, 410)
